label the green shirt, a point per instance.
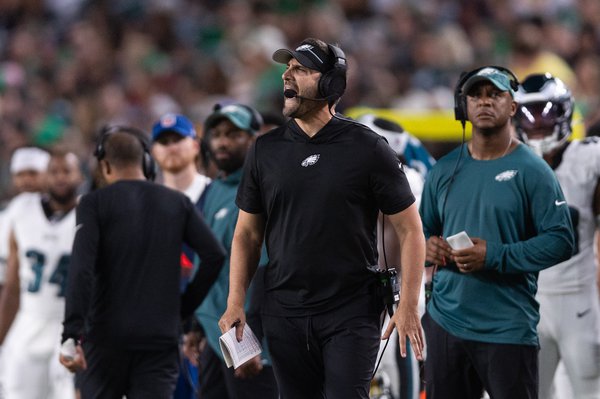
(514, 203)
(220, 213)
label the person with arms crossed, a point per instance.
(123, 306)
(32, 302)
(569, 327)
(229, 133)
(480, 323)
(313, 189)
(176, 149)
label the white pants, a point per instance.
(31, 369)
(569, 330)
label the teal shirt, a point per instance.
(514, 203)
(220, 213)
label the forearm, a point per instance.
(245, 254)
(533, 255)
(212, 256)
(409, 230)
(198, 288)
(11, 293)
(9, 306)
(413, 260)
(81, 277)
(76, 303)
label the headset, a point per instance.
(257, 120)
(148, 165)
(460, 98)
(332, 83)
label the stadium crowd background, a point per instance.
(67, 67)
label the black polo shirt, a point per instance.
(320, 197)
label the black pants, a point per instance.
(219, 382)
(330, 355)
(137, 374)
(460, 369)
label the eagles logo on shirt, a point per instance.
(506, 175)
(311, 160)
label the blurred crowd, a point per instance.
(69, 67)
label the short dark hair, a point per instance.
(124, 148)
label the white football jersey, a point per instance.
(578, 174)
(44, 254)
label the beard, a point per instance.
(229, 164)
(63, 197)
(299, 107)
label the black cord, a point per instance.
(462, 145)
(387, 341)
(388, 306)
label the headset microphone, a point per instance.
(290, 93)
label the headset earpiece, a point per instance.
(257, 120)
(332, 83)
(460, 104)
(460, 98)
(148, 164)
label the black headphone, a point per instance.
(332, 83)
(460, 98)
(148, 165)
(257, 120)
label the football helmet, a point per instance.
(544, 112)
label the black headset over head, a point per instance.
(460, 98)
(148, 165)
(332, 83)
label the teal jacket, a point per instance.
(514, 203)
(220, 213)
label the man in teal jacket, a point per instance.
(481, 320)
(229, 132)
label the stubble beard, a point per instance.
(299, 108)
(302, 109)
(63, 198)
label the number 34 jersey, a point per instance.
(44, 253)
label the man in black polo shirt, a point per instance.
(123, 299)
(313, 188)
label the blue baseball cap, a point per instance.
(493, 75)
(173, 123)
